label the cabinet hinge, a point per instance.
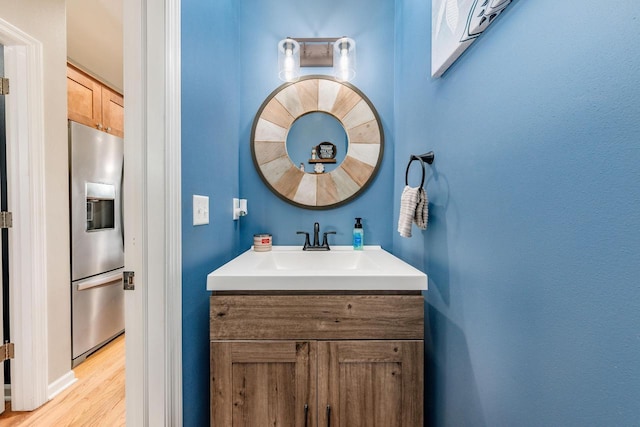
(6, 220)
(6, 351)
(4, 86)
(128, 278)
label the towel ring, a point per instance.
(426, 157)
(406, 174)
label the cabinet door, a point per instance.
(113, 112)
(84, 99)
(370, 383)
(255, 384)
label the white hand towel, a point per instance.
(413, 208)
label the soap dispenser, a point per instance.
(358, 235)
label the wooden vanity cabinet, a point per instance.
(262, 383)
(330, 360)
(93, 104)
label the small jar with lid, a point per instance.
(262, 242)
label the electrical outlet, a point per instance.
(239, 208)
(200, 210)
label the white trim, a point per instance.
(134, 26)
(61, 384)
(154, 213)
(27, 238)
(153, 216)
(6, 392)
(173, 207)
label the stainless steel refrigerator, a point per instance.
(97, 239)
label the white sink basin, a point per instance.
(319, 262)
(341, 268)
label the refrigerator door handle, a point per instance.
(111, 279)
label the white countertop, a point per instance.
(292, 269)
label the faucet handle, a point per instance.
(325, 242)
(306, 239)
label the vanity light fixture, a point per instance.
(330, 52)
(289, 60)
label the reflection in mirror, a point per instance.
(308, 131)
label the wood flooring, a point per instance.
(95, 400)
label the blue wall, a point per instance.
(532, 249)
(533, 238)
(226, 48)
(210, 111)
(261, 25)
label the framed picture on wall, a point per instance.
(455, 24)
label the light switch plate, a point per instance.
(200, 210)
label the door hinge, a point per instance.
(6, 351)
(4, 86)
(128, 278)
(6, 220)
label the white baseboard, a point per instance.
(61, 384)
(53, 389)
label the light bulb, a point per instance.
(344, 64)
(288, 64)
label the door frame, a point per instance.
(26, 198)
(152, 123)
(152, 199)
(2, 365)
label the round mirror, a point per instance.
(315, 167)
(315, 138)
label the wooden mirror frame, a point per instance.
(358, 117)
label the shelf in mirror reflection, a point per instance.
(322, 160)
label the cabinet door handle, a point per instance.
(99, 126)
(109, 129)
(306, 415)
(328, 415)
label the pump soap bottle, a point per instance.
(358, 235)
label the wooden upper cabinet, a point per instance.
(113, 112)
(93, 104)
(84, 98)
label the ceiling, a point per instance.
(94, 38)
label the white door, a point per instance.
(152, 198)
(1, 323)
(1, 334)
(2, 131)
(1, 328)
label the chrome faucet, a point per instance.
(316, 239)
